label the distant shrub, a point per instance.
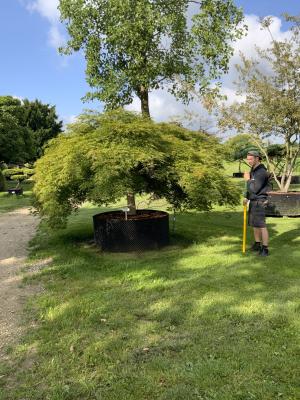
(19, 178)
(2, 182)
(28, 165)
(10, 173)
(28, 171)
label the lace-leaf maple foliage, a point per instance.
(102, 157)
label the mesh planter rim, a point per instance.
(139, 216)
(290, 192)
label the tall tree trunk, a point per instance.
(290, 168)
(287, 183)
(144, 97)
(131, 203)
(285, 178)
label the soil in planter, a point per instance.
(140, 215)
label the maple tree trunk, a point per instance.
(144, 97)
(131, 203)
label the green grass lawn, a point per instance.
(11, 202)
(232, 167)
(196, 320)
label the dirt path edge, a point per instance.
(17, 228)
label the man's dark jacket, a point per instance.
(258, 185)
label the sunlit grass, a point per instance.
(196, 320)
(10, 202)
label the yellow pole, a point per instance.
(244, 229)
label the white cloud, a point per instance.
(69, 119)
(258, 36)
(55, 37)
(247, 45)
(19, 98)
(48, 9)
(231, 95)
(164, 107)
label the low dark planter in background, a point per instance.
(283, 204)
(147, 230)
(238, 175)
(17, 192)
(295, 180)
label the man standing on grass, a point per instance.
(257, 187)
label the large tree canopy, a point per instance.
(132, 47)
(2, 180)
(16, 141)
(43, 121)
(271, 108)
(236, 147)
(105, 156)
(25, 126)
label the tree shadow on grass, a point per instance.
(189, 228)
(214, 327)
(195, 320)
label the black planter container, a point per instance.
(283, 204)
(238, 175)
(17, 192)
(147, 230)
(295, 180)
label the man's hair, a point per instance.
(254, 153)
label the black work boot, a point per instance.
(264, 252)
(256, 247)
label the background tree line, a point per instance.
(25, 127)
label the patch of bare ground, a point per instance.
(16, 230)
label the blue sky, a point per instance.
(31, 66)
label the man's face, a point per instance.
(252, 160)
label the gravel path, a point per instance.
(16, 229)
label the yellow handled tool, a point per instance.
(244, 229)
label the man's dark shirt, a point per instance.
(258, 184)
